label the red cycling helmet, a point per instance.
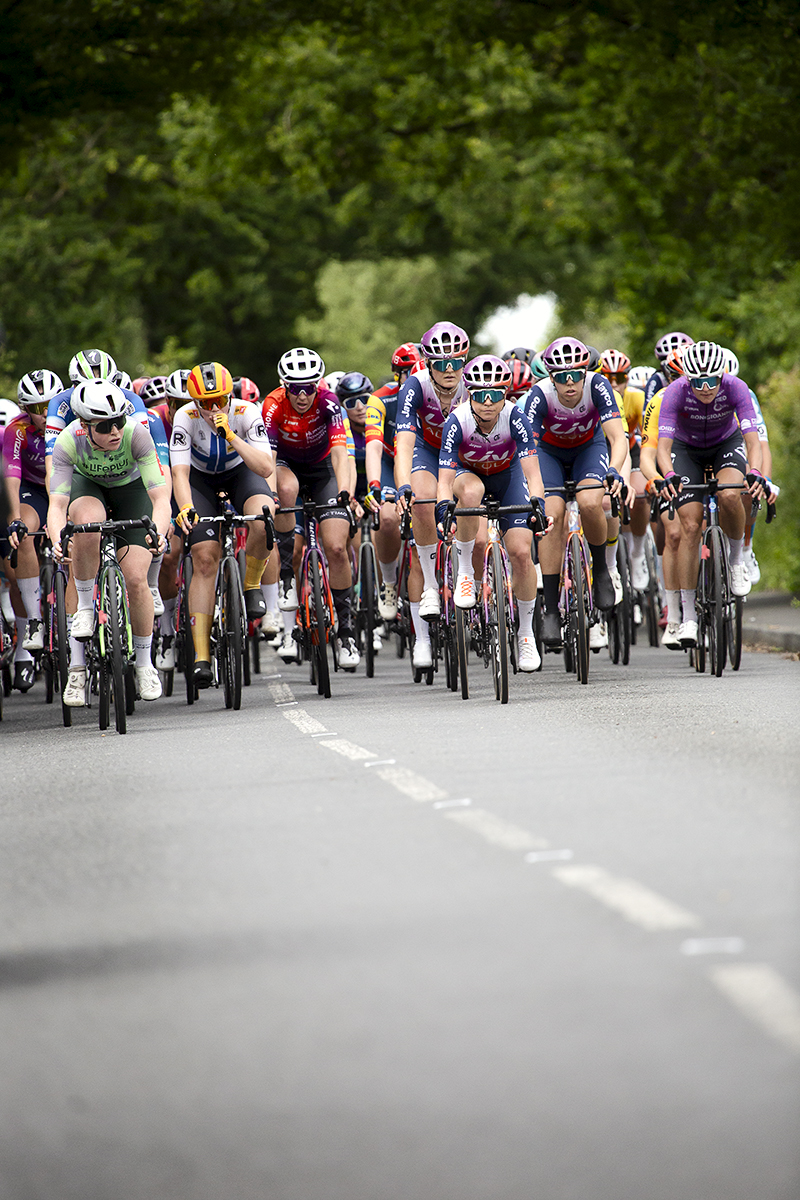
(614, 362)
(522, 378)
(245, 389)
(405, 357)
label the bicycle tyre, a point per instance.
(231, 620)
(580, 608)
(652, 602)
(184, 642)
(462, 646)
(47, 660)
(115, 664)
(626, 605)
(734, 631)
(498, 624)
(61, 642)
(538, 617)
(319, 626)
(449, 640)
(366, 604)
(714, 600)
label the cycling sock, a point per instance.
(21, 655)
(422, 630)
(735, 547)
(201, 635)
(526, 608)
(254, 569)
(341, 602)
(29, 591)
(85, 590)
(611, 552)
(389, 572)
(599, 564)
(427, 560)
(638, 544)
(168, 619)
(550, 586)
(153, 570)
(689, 603)
(141, 647)
(286, 551)
(674, 607)
(464, 551)
(270, 593)
(77, 653)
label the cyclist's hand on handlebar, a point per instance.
(405, 494)
(670, 485)
(373, 497)
(614, 481)
(445, 525)
(539, 521)
(17, 532)
(755, 484)
(357, 508)
(187, 518)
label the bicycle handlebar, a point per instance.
(230, 519)
(107, 527)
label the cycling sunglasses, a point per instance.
(576, 375)
(705, 381)
(301, 389)
(444, 364)
(616, 376)
(352, 401)
(488, 395)
(40, 409)
(210, 402)
(107, 426)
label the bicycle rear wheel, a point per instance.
(579, 608)
(318, 625)
(498, 624)
(231, 622)
(462, 646)
(652, 601)
(184, 642)
(449, 637)
(733, 629)
(626, 605)
(47, 658)
(60, 645)
(111, 646)
(713, 598)
(367, 603)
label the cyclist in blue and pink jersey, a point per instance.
(707, 419)
(425, 401)
(380, 451)
(573, 414)
(665, 375)
(353, 392)
(488, 450)
(24, 470)
(87, 365)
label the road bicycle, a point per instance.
(365, 615)
(490, 627)
(110, 658)
(54, 655)
(442, 630)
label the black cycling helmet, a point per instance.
(594, 358)
(354, 386)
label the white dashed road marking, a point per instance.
(718, 945)
(630, 899)
(537, 856)
(410, 784)
(764, 996)
(306, 723)
(281, 693)
(347, 749)
(496, 831)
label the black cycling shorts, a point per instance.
(318, 482)
(238, 484)
(690, 463)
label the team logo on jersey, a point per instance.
(260, 430)
(179, 438)
(63, 408)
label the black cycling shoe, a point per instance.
(551, 630)
(254, 604)
(603, 591)
(203, 675)
(24, 675)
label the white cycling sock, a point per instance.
(168, 619)
(638, 544)
(20, 654)
(735, 555)
(77, 653)
(141, 647)
(270, 593)
(422, 630)
(85, 590)
(464, 551)
(526, 608)
(29, 591)
(153, 570)
(689, 603)
(427, 560)
(389, 572)
(674, 607)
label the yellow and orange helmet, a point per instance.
(210, 384)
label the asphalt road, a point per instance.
(397, 946)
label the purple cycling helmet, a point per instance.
(445, 340)
(669, 342)
(487, 371)
(565, 354)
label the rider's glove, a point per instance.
(613, 475)
(442, 509)
(537, 521)
(19, 528)
(405, 493)
(343, 499)
(221, 425)
(754, 476)
(187, 517)
(374, 494)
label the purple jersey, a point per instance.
(688, 419)
(558, 425)
(419, 409)
(24, 451)
(485, 453)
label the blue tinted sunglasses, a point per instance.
(576, 375)
(488, 395)
(444, 364)
(705, 381)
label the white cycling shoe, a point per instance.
(349, 658)
(165, 655)
(148, 685)
(640, 576)
(75, 691)
(672, 636)
(158, 603)
(740, 580)
(288, 649)
(387, 601)
(270, 625)
(465, 591)
(749, 558)
(617, 582)
(421, 655)
(429, 604)
(528, 657)
(287, 595)
(34, 635)
(598, 636)
(687, 634)
(82, 624)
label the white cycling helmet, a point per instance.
(38, 386)
(703, 358)
(487, 371)
(301, 365)
(99, 400)
(122, 379)
(176, 385)
(91, 364)
(638, 376)
(731, 362)
(333, 380)
(9, 411)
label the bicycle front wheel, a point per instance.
(733, 631)
(713, 598)
(652, 602)
(59, 644)
(111, 650)
(367, 602)
(498, 624)
(626, 606)
(318, 625)
(184, 642)
(231, 622)
(579, 608)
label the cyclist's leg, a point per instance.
(250, 494)
(33, 513)
(87, 504)
(468, 489)
(551, 546)
(590, 467)
(730, 467)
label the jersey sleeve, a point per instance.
(64, 457)
(12, 449)
(606, 401)
(255, 431)
(376, 418)
(180, 444)
(452, 437)
(408, 400)
(763, 435)
(58, 413)
(337, 433)
(522, 433)
(144, 453)
(159, 436)
(271, 415)
(535, 410)
(650, 420)
(743, 404)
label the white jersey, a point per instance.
(194, 442)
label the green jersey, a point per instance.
(136, 458)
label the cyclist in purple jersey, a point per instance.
(487, 450)
(425, 401)
(707, 420)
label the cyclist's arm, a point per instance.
(664, 455)
(57, 519)
(754, 448)
(647, 462)
(341, 463)
(405, 441)
(180, 484)
(12, 491)
(162, 513)
(533, 476)
(373, 460)
(444, 488)
(258, 458)
(614, 431)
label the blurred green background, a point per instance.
(183, 180)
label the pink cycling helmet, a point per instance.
(566, 353)
(671, 341)
(487, 371)
(443, 340)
